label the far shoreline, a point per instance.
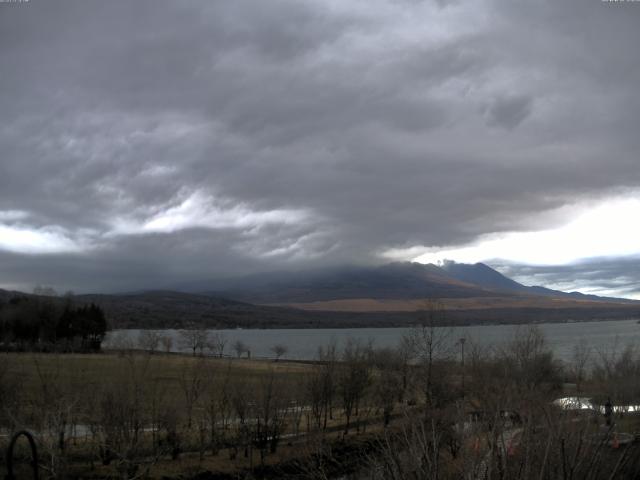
(452, 324)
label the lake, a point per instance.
(303, 344)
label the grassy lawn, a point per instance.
(78, 372)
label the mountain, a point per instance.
(392, 281)
(376, 296)
(483, 276)
(170, 309)
(486, 277)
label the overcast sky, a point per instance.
(151, 143)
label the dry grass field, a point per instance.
(82, 372)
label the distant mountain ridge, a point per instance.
(392, 281)
(486, 277)
(482, 275)
(375, 296)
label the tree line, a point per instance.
(42, 323)
(197, 341)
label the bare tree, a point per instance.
(580, 358)
(217, 343)
(149, 340)
(192, 384)
(413, 452)
(167, 343)
(120, 419)
(388, 381)
(529, 360)
(216, 404)
(10, 393)
(315, 400)
(279, 350)
(243, 409)
(121, 341)
(320, 387)
(429, 342)
(240, 347)
(54, 408)
(354, 377)
(270, 414)
(328, 358)
(194, 340)
(404, 355)
(616, 371)
(157, 405)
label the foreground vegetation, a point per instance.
(418, 411)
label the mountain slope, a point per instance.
(169, 309)
(486, 277)
(392, 281)
(395, 281)
(483, 276)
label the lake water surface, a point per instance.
(303, 344)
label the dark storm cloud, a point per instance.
(137, 137)
(509, 112)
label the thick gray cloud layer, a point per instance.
(150, 142)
